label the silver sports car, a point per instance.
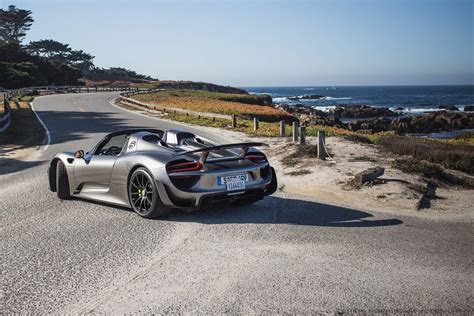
(155, 171)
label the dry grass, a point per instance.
(463, 139)
(213, 102)
(451, 156)
(301, 172)
(306, 151)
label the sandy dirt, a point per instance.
(328, 180)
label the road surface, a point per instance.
(282, 254)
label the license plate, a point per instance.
(235, 182)
(235, 185)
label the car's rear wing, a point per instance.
(205, 151)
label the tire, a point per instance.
(62, 181)
(273, 185)
(143, 195)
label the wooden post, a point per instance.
(213, 119)
(321, 145)
(295, 131)
(234, 121)
(282, 128)
(302, 135)
(255, 123)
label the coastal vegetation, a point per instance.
(452, 156)
(245, 106)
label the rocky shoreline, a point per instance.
(374, 119)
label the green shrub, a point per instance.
(452, 156)
(412, 165)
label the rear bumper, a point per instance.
(175, 198)
(200, 197)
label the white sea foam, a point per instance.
(280, 99)
(325, 108)
(421, 110)
(336, 98)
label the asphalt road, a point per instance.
(282, 254)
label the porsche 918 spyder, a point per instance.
(154, 171)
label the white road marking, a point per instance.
(48, 135)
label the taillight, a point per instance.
(256, 158)
(184, 167)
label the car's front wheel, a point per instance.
(62, 181)
(143, 195)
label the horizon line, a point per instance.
(380, 85)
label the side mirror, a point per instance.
(79, 154)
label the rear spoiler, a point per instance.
(244, 147)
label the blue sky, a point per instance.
(270, 43)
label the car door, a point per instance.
(95, 170)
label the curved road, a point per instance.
(282, 254)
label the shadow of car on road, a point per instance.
(9, 165)
(277, 210)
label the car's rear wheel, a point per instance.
(62, 181)
(144, 197)
(273, 185)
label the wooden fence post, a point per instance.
(255, 123)
(321, 145)
(295, 131)
(282, 128)
(302, 135)
(234, 121)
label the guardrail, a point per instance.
(5, 119)
(69, 89)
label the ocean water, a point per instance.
(413, 99)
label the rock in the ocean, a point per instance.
(361, 111)
(469, 108)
